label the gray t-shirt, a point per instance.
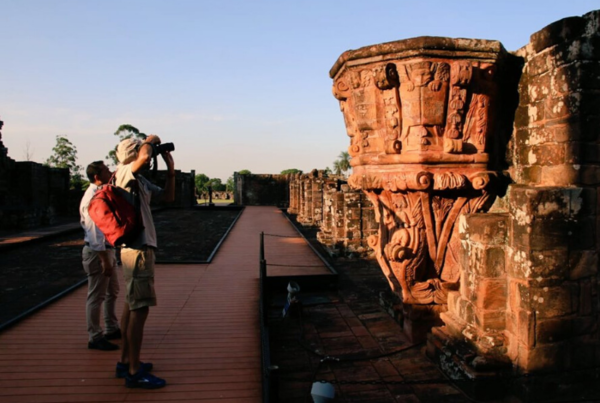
(125, 178)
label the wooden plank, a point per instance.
(203, 337)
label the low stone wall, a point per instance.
(261, 190)
(185, 189)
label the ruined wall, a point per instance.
(32, 194)
(529, 293)
(345, 218)
(185, 188)
(261, 190)
(349, 220)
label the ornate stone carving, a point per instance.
(419, 114)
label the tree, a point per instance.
(201, 181)
(230, 184)
(28, 151)
(337, 167)
(64, 155)
(342, 164)
(245, 172)
(291, 171)
(216, 184)
(124, 132)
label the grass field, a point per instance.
(205, 201)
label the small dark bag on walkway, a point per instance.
(116, 213)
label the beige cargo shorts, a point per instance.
(138, 272)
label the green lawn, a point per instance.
(205, 201)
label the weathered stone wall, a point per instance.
(261, 190)
(349, 220)
(185, 188)
(32, 194)
(529, 293)
(344, 217)
(553, 251)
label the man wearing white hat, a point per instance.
(138, 256)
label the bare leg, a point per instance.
(135, 335)
(125, 332)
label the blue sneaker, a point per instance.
(144, 380)
(123, 369)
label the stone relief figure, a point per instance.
(424, 95)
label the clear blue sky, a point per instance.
(235, 84)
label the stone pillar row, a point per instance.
(344, 217)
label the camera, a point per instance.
(162, 148)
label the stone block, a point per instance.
(511, 322)
(534, 264)
(491, 294)
(486, 229)
(512, 350)
(490, 320)
(515, 297)
(581, 49)
(547, 301)
(545, 154)
(566, 130)
(544, 358)
(494, 263)
(538, 64)
(553, 330)
(531, 175)
(466, 311)
(540, 202)
(453, 299)
(536, 112)
(541, 234)
(560, 175)
(522, 116)
(563, 31)
(563, 107)
(576, 76)
(550, 302)
(525, 329)
(539, 87)
(467, 280)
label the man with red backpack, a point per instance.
(138, 256)
(99, 263)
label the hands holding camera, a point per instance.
(162, 149)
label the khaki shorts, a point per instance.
(138, 271)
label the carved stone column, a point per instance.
(420, 114)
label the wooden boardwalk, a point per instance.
(203, 337)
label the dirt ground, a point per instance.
(33, 273)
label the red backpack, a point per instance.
(116, 213)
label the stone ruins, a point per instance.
(33, 194)
(481, 169)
